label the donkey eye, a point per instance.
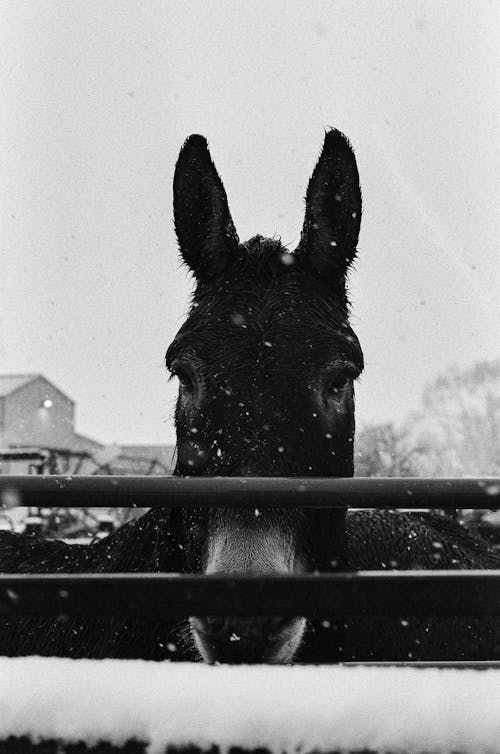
(186, 381)
(336, 385)
(185, 376)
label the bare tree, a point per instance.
(382, 450)
(456, 432)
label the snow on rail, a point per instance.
(282, 709)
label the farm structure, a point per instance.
(34, 413)
(38, 435)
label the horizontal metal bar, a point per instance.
(422, 664)
(259, 492)
(398, 593)
(23, 455)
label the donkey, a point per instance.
(266, 362)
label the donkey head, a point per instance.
(266, 361)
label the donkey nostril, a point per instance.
(274, 626)
(215, 624)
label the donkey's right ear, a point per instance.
(203, 223)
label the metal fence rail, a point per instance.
(394, 593)
(397, 593)
(261, 492)
(400, 594)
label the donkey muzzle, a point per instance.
(247, 640)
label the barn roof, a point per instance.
(11, 382)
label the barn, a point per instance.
(34, 413)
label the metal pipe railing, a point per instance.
(258, 492)
(396, 593)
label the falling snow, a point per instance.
(237, 319)
(287, 258)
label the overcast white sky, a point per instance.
(97, 98)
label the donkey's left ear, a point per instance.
(333, 209)
(203, 223)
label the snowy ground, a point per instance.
(284, 709)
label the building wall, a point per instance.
(138, 459)
(27, 422)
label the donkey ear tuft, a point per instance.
(203, 223)
(333, 209)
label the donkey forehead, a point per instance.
(267, 327)
(268, 306)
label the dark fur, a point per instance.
(376, 539)
(146, 544)
(389, 540)
(267, 360)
